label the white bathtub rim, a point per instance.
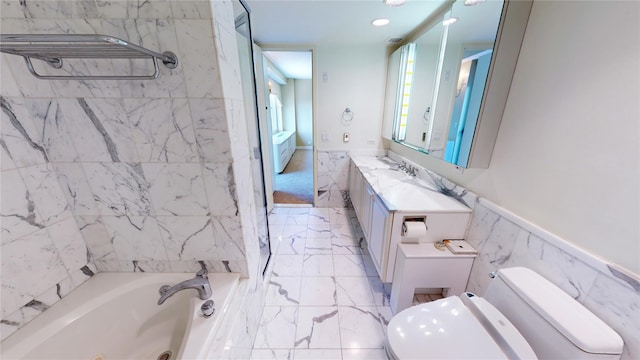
(195, 335)
(73, 306)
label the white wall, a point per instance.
(288, 99)
(567, 155)
(304, 112)
(356, 78)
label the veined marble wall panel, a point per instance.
(506, 240)
(121, 175)
(250, 298)
(333, 179)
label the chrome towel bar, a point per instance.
(53, 48)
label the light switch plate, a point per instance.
(345, 137)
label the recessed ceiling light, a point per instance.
(380, 22)
(394, 2)
(449, 21)
(473, 2)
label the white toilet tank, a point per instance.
(554, 324)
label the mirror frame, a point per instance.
(513, 22)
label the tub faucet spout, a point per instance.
(200, 282)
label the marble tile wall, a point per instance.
(333, 179)
(123, 175)
(506, 240)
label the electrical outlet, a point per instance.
(324, 137)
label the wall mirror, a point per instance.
(448, 85)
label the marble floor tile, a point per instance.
(298, 219)
(381, 295)
(349, 265)
(294, 231)
(319, 231)
(346, 246)
(317, 265)
(291, 246)
(318, 328)
(369, 267)
(277, 218)
(271, 354)
(318, 246)
(277, 328)
(293, 211)
(319, 216)
(385, 314)
(287, 265)
(360, 327)
(364, 354)
(339, 216)
(317, 354)
(283, 290)
(324, 299)
(354, 290)
(318, 291)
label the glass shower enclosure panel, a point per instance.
(245, 52)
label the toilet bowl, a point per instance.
(519, 316)
(449, 329)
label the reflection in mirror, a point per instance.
(417, 63)
(437, 110)
(465, 67)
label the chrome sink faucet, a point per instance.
(200, 282)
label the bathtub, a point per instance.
(116, 316)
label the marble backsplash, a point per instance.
(122, 175)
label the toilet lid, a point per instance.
(445, 328)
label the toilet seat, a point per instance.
(448, 329)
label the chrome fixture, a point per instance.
(407, 169)
(200, 282)
(53, 48)
(208, 308)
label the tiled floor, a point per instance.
(325, 300)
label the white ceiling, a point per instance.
(308, 22)
(292, 64)
(311, 22)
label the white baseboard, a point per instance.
(304, 147)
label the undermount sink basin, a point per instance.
(393, 173)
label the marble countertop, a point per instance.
(401, 192)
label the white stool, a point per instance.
(424, 266)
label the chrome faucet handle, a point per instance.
(202, 274)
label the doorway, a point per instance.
(288, 86)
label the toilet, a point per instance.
(521, 316)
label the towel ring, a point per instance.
(347, 116)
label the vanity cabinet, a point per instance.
(379, 233)
(383, 202)
(375, 219)
(284, 145)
